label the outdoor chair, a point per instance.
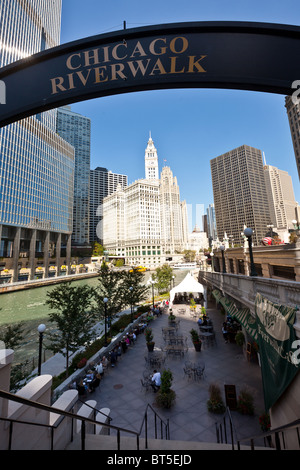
(145, 385)
(188, 372)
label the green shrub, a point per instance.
(215, 403)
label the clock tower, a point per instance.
(151, 161)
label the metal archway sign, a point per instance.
(231, 55)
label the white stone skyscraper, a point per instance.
(146, 222)
(151, 161)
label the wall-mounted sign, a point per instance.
(233, 55)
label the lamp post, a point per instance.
(212, 262)
(173, 278)
(222, 248)
(41, 329)
(296, 226)
(271, 226)
(248, 234)
(152, 284)
(131, 311)
(105, 300)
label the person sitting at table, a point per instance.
(200, 321)
(99, 369)
(81, 388)
(104, 363)
(94, 383)
(156, 380)
(113, 358)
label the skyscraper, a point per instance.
(151, 161)
(146, 221)
(102, 183)
(281, 197)
(240, 195)
(293, 112)
(76, 129)
(173, 234)
(211, 223)
(36, 165)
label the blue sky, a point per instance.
(188, 127)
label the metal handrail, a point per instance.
(273, 432)
(162, 422)
(84, 420)
(222, 426)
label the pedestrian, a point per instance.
(156, 380)
(225, 332)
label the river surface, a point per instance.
(29, 306)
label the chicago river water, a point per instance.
(29, 306)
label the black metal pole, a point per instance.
(252, 265)
(223, 261)
(153, 295)
(40, 353)
(105, 324)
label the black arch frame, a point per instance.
(230, 55)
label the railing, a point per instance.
(225, 426)
(163, 426)
(84, 421)
(277, 438)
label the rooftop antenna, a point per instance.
(124, 24)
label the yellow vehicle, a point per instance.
(140, 269)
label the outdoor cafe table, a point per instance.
(175, 340)
(174, 349)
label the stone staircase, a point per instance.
(104, 442)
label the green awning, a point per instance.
(242, 315)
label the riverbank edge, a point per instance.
(7, 288)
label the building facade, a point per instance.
(76, 129)
(36, 165)
(281, 197)
(293, 112)
(240, 196)
(146, 221)
(102, 183)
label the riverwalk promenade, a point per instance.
(121, 391)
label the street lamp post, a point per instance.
(296, 226)
(152, 284)
(105, 300)
(222, 248)
(173, 278)
(212, 262)
(131, 310)
(41, 329)
(271, 226)
(248, 233)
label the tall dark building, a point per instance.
(240, 196)
(102, 183)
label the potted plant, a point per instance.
(196, 340)
(264, 421)
(215, 404)
(149, 338)
(239, 338)
(245, 403)
(166, 396)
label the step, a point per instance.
(102, 442)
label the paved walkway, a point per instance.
(121, 390)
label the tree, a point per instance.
(97, 249)
(73, 316)
(110, 286)
(139, 292)
(11, 335)
(163, 277)
(189, 255)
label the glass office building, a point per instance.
(76, 129)
(36, 165)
